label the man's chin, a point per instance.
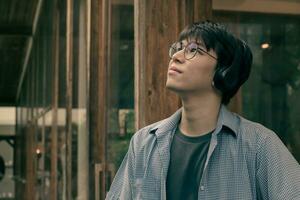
(173, 88)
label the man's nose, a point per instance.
(178, 57)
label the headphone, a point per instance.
(228, 79)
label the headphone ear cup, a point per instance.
(227, 78)
(220, 78)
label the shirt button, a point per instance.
(202, 187)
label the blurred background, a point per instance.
(79, 77)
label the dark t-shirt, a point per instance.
(187, 159)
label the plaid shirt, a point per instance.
(245, 160)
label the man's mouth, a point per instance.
(175, 69)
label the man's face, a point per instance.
(194, 74)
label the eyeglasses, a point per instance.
(190, 50)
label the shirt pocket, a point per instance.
(147, 188)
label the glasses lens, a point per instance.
(190, 50)
(174, 49)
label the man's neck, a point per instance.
(199, 115)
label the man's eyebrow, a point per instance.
(200, 43)
(185, 42)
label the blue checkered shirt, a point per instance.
(248, 162)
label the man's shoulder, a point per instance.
(255, 132)
(147, 133)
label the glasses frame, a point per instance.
(184, 50)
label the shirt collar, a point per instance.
(228, 119)
(225, 118)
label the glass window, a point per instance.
(7, 129)
(47, 155)
(40, 158)
(270, 96)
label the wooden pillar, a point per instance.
(103, 77)
(69, 86)
(93, 101)
(30, 162)
(98, 96)
(202, 10)
(157, 25)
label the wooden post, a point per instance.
(102, 90)
(157, 25)
(30, 161)
(98, 93)
(93, 94)
(202, 10)
(69, 86)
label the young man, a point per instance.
(203, 151)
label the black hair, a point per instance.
(234, 55)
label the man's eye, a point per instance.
(193, 50)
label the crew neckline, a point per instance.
(193, 139)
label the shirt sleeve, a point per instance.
(278, 172)
(121, 187)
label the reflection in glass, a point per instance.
(40, 159)
(61, 153)
(47, 154)
(272, 93)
